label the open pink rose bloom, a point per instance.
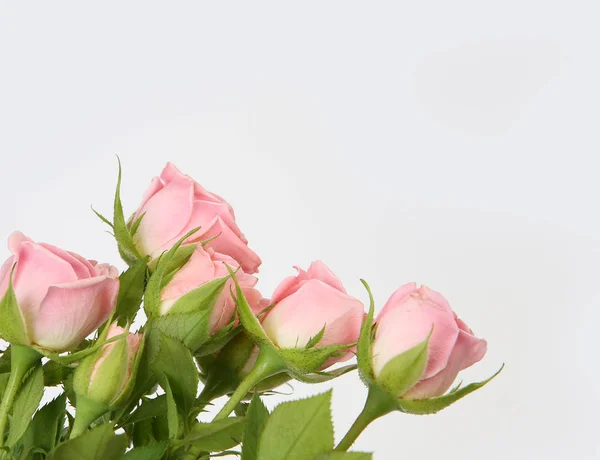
(62, 296)
(174, 204)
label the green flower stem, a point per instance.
(378, 404)
(268, 363)
(22, 359)
(86, 411)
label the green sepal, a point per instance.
(135, 225)
(132, 283)
(247, 318)
(364, 357)
(434, 405)
(320, 377)
(316, 339)
(179, 259)
(12, 325)
(309, 360)
(218, 341)
(127, 248)
(203, 297)
(100, 442)
(156, 282)
(103, 219)
(403, 371)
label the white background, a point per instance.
(450, 143)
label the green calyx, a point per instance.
(403, 371)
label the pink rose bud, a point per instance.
(62, 297)
(306, 303)
(202, 267)
(406, 320)
(174, 205)
(106, 377)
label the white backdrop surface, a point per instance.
(450, 143)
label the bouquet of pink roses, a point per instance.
(207, 332)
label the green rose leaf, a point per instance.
(173, 363)
(434, 405)
(55, 373)
(142, 433)
(47, 425)
(216, 436)
(172, 412)
(98, 443)
(148, 409)
(152, 452)
(27, 401)
(131, 291)
(256, 419)
(298, 430)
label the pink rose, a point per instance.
(406, 320)
(106, 376)
(174, 204)
(204, 266)
(62, 296)
(306, 303)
